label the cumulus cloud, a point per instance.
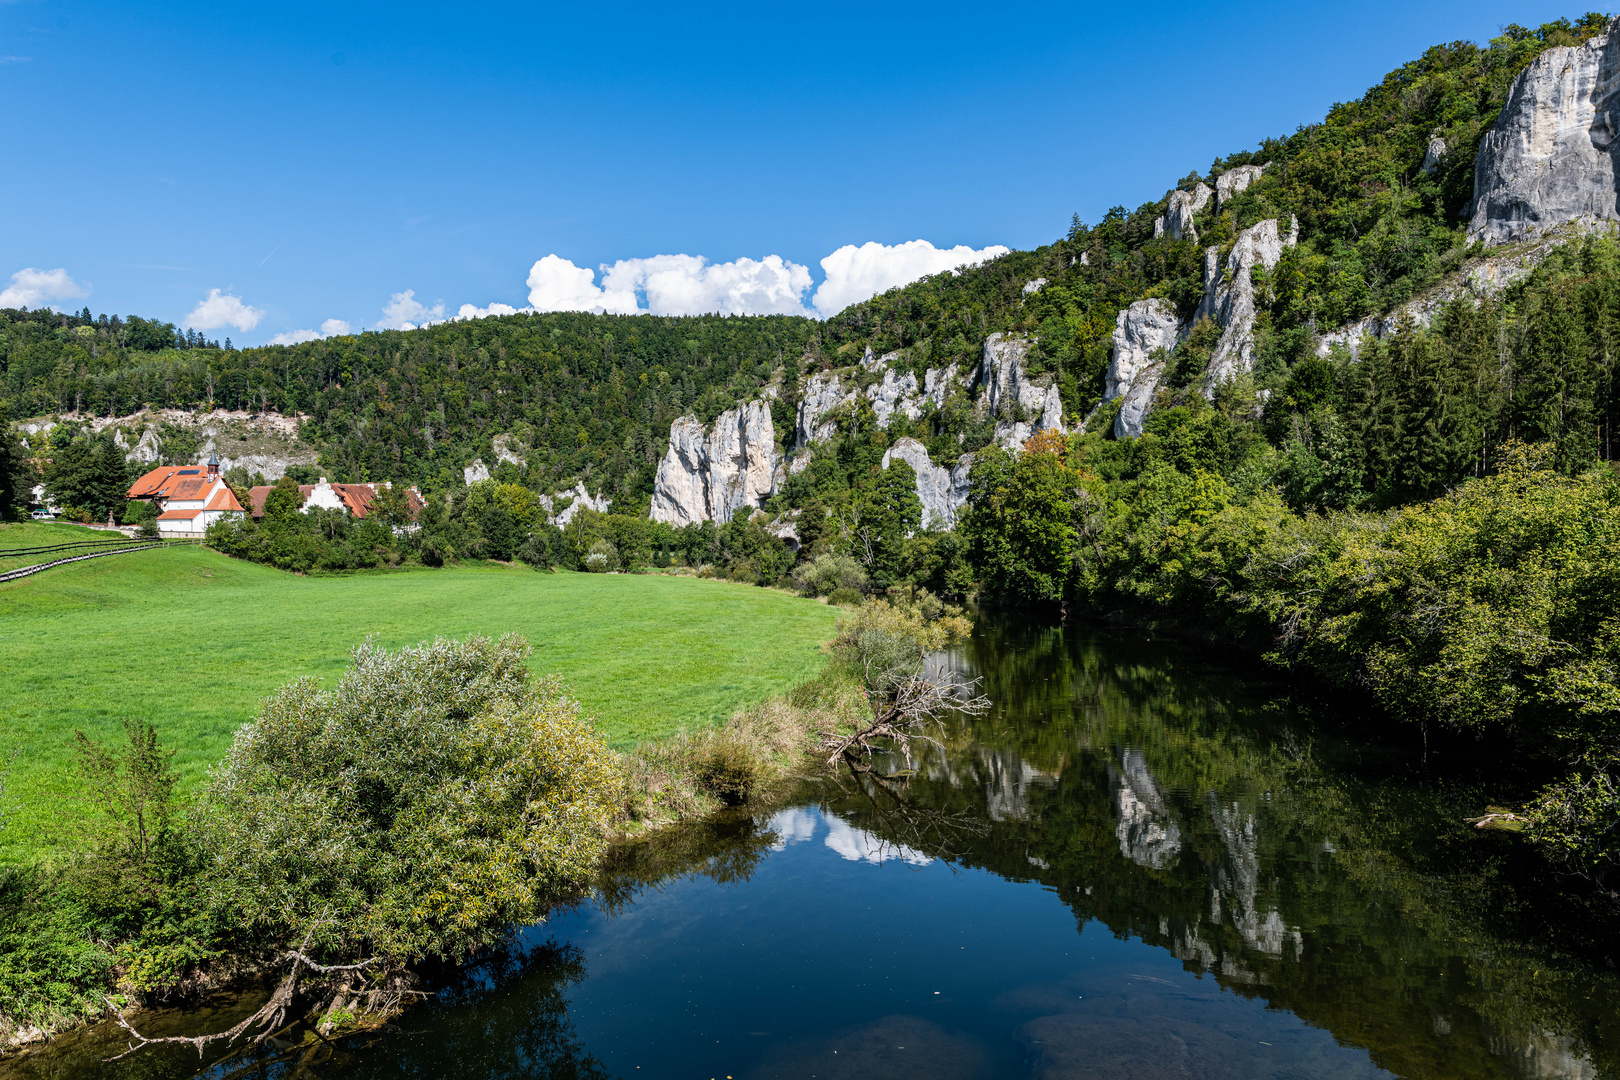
(473, 311)
(32, 288)
(329, 328)
(221, 309)
(555, 284)
(405, 312)
(691, 285)
(860, 273)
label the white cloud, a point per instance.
(555, 284)
(858, 845)
(472, 311)
(860, 273)
(34, 288)
(222, 309)
(329, 328)
(690, 285)
(672, 285)
(404, 312)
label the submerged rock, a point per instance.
(1548, 160)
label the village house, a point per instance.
(355, 500)
(189, 498)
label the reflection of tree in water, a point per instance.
(502, 1016)
(727, 848)
(1162, 797)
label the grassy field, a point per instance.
(29, 534)
(193, 641)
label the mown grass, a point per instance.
(193, 641)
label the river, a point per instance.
(1141, 863)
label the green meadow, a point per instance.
(193, 641)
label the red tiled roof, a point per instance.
(358, 499)
(179, 515)
(224, 499)
(160, 480)
(185, 488)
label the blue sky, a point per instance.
(316, 161)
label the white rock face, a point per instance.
(942, 492)
(709, 476)
(938, 385)
(582, 500)
(1234, 182)
(1033, 287)
(1144, 328)
(475, 473)
(1229, 295)
(1177, 222)
(822, 394)
(681, 491)
(895, 394)
(1005, 389)
(1433, 156)
(1549, 158)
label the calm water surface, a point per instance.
(1139, 864)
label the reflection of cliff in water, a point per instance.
(1321, 876)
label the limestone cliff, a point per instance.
(709, 475)
(1235, 182)
(1548, 160)
(1229, 295)
(1021, 405)
(942, 491)
(1144, 336)
(1177, 222)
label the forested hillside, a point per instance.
(594, 395)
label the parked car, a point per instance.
(42, 515)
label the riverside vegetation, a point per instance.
(1429, 522)
(436, 800)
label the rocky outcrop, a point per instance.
(897, 393)
(1177, 222)
(1234, 182)
(1432, 157)
(1144, 336)
(1035, 286)
(823, 393)
(1229, 295)
(942, 491)
(1548, 160)
(708, 475)
(145, 450)
(1021, 406)
(562, 507)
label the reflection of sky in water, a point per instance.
(857, 845)
(856, 957)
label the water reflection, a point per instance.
(1138, 864)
